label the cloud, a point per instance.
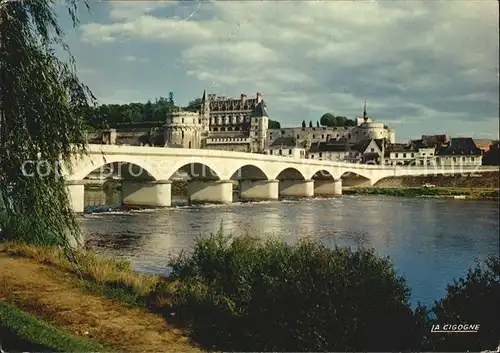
(131, 58)
(430, 62)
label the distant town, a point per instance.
(243, 124)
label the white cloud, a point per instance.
(412, 60)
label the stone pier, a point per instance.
(211, 191)
(259, 189)
(297, 188)
(76, 194)
(327, 187)
(156, 193)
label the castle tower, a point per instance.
(205, 112)
(183, 130)
(259, 126)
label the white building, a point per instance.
(288, 147)
(460, 151)
(337, 151)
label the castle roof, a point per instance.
(260, 110)
(362, 145)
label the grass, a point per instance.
(20, 331)
(110, 277)
(476, 193)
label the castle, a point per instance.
(242, 125)
(239, 125)
(221, 123)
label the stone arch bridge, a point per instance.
(147, 174)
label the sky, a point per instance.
(424, 67)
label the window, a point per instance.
(182, 135)
(397, 155)
(322, 136)
(270, 151)
(412, 155)
(289, 151)
(312, 156)
(472, 159)
(372, 149)
(199, 121)
(298, 137)
(314, 136)
(404, 155)
(454, 159)
(423, 154)
(320, 154)
(189, 145)
(280, 152)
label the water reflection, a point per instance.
(430, 241)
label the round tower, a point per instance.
(183, 130)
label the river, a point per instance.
(431, 241)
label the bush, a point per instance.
(243, 294)
(473, 300)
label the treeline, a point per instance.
(111, 115)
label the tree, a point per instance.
(473, 300)
(273, 124)
(327, 119)
(42, 110)
(171, 98)
(303, 124)
(194, 105)
(330, 120)
(310, 123)
(317, 123)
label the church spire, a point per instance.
(365, 115)
(204, 97)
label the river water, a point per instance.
(431, 241)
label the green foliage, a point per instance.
(270, 296)
(42, 105)
(303, 124)
(273, 124)
(473, 300)
(310, 123)
(115, 114)
(194, 105)
(20, 331)
(330, 120)
(317, 123)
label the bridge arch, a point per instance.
(290, 173)
(249, 172)
(196, 169)
(353, 178)
(322, 174)
(105, 168)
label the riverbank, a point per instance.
(104, 308)
(437, 192)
